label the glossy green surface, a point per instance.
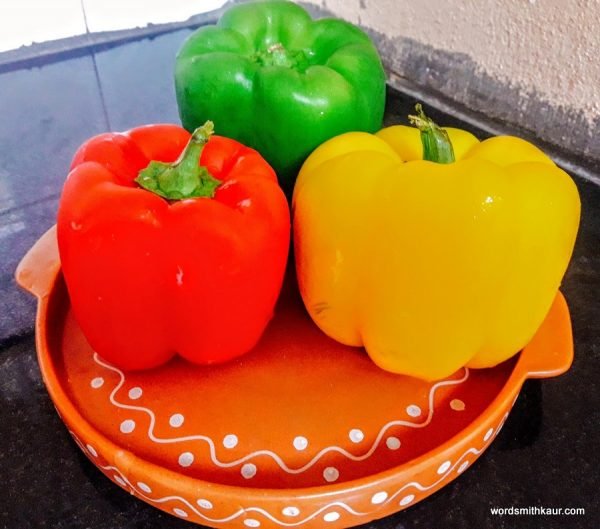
(269, 76)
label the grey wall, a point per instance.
(531, 63)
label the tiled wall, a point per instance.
(23, 22)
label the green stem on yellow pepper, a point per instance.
(437, 146)
(183, 178)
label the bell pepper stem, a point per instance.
(278, 55)
(437, 146)
(185, 177)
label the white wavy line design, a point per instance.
(424, 488)
(238, 513)
(327, 507)
(275, 457)
(78, 442)
(274, 519)
(171, 498)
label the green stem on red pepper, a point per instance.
(183, 178)
(437, 146)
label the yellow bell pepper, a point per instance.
(437, 263)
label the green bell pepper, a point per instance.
(272, 78)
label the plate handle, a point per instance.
(37, 270)
(550, 352)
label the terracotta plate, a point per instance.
(301, 432)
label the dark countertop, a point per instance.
(546, 455)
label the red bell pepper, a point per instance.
(182, 255)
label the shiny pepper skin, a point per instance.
(432, 266)
(151, 277)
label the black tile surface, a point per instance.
(45, 114)
(546, 455)
(143, 67)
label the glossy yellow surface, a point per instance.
(432, 266)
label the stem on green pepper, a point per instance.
(437, 146)
(183, 178)
(278, 55)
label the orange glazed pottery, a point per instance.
(301, 432)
